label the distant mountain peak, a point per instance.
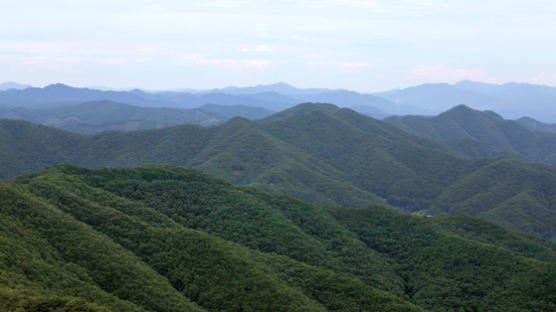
(278, 84)
(12, 85)
(57, 86)
(303, 108)
(460, 111)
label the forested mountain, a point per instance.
(94, 117)
(317, 152)
(536, 125)
(481, 134)
(164, 238)
(511, 100)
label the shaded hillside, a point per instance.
(175, 239)
(316, 152)
(481, 134)
(94, 117)
(535, 125)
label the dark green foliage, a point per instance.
(163, 238)
(483, 134)
(316, 152)
(454, 271)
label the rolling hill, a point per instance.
(165, 238)
(316, 152)
(481, 134)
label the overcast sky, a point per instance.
(354, 44)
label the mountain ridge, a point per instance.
(320, 153)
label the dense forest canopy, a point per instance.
(165, 238)
(328, 155)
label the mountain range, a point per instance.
(317, 152)
(164, 238)
(241, 199)
(12, 85)
(511, 100)
(98, 116)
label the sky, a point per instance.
(354, 44)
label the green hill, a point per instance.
(319, 153)
(481, 134)
(164, 238)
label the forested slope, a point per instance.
(164, 238)
(318, 153)
(482, 134)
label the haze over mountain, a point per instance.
(316, 152)
(511, 100)
(164, 238)
(536, 125)
(12, 85)
(278, 156)
(59, 94)
(94, 117)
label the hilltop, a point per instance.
(481, 134)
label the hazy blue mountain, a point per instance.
(268, 100)
(280, 87)
(536, 125)
(520, 99)
(365, 103)
(511, 100)
(59, 94)
(433, 98)
(94, 117)
(270, 97)
(481, 134)
(12, 85)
